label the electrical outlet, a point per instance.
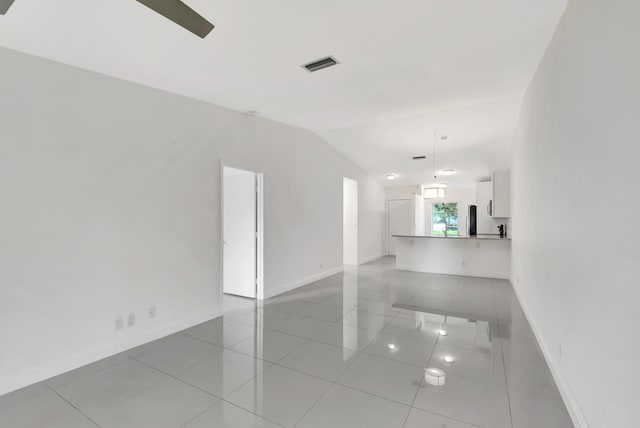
(321, 265)
(119, 323)
(463, 263)
(152, 312)
(131, 320)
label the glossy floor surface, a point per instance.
(318, 357)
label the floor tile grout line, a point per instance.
(373, 394)
(128, 358)
(204, 390)
(218, 351)
(313, 375)
(337, 322)
(304, 316)
(223, 399)
(415, 396)
(200, 414)
(223, 345)
(268, 361)
(504, 365)
(278, 331)
(314, 404)
(175, 378)
(146, 388)
(506, 383)
(252, 412)
(335, 382)
(77, 409)
(215, 396)
(471, 424)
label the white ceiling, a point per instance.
(408, 67)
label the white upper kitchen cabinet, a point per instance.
(484, 197)
(500, 206)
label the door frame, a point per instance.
(388, 215)
(259, 230)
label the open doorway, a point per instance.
(242, 271)
(350, 222)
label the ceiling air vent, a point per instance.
(320, 64)
(419, 157)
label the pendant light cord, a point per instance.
(435, 176)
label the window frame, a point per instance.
(433, 204)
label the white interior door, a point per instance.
(399, 221)
(350, 222)
(239, 233)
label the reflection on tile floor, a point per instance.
(320, 356)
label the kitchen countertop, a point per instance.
(479, 236)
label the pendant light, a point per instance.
(435, 191)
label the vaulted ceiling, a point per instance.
(408, 68)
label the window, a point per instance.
(444, 219)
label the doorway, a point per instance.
(350, 222)
(242, 271)
(399, 221)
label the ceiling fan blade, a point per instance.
(181, 14)
(5, 5)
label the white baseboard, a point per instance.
(470, 274)
(61, 365)
(300, 282)
(370, 259)
(575, 412)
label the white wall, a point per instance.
(576, 263)
(401, 192)
(110, 204)
(350, 222)
(419, 218)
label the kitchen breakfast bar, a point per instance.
(487, 256)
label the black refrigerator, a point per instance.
(473, 217)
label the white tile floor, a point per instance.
(318, 357)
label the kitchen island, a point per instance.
(487, 256)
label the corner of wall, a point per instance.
(369, 259)
(273, 292)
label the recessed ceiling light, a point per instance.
(448, 359)
(390, 176)
(443, 332)
(434, 376)
(448, 172)
(391, 346)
